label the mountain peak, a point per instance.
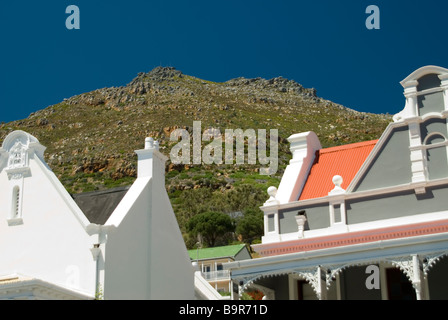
(164, 72)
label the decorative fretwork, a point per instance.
(312, 276)
(431, 259)
(412, 267)
(335, 269)
(405, 264)
(246, 281)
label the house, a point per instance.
(366, 220)
(210, 263)
(131, 248)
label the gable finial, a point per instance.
(272, 192)
(337, 180)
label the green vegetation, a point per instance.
(91, 138)
(210, 226)
(251, 226)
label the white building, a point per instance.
(50, 250)
(362, 221)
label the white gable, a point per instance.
(42, 231)
(44, 236)
(145, 242)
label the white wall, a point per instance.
(169, 256)
(146, 257)
(51, 244)
(127, 248)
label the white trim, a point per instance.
(429, 91)
(423, 71)
(401, 221)
(435, 145)
(364, 226)
(20, 287)
(429, 115)
(128, 201)
(361, 194)
(14, 221)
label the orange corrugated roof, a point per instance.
(343, 160)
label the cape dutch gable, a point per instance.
(50, 250)
(379, 203)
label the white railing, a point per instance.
(216, 275)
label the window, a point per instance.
(430, 94)
(436, 155)
(434, 138)
(271, 223)
(15, 215)
(16, 203)
(337, 213)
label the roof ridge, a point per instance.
(222, 247)
(216, 252)
(348, 146)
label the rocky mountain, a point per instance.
(91, 137)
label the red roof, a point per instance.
(344, 161)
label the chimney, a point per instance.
(151, 162)
(303, 147)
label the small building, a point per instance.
(366, 220)
(127, 246)
(210, 263)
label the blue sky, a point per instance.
(321, 44)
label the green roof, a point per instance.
(215, 252)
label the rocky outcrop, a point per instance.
(279, 84)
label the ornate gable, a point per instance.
(426, 92)
(15, 153)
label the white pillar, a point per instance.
(410, 92)
(322, 283)
(271, 236)
(418, 155)
(418, 280)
